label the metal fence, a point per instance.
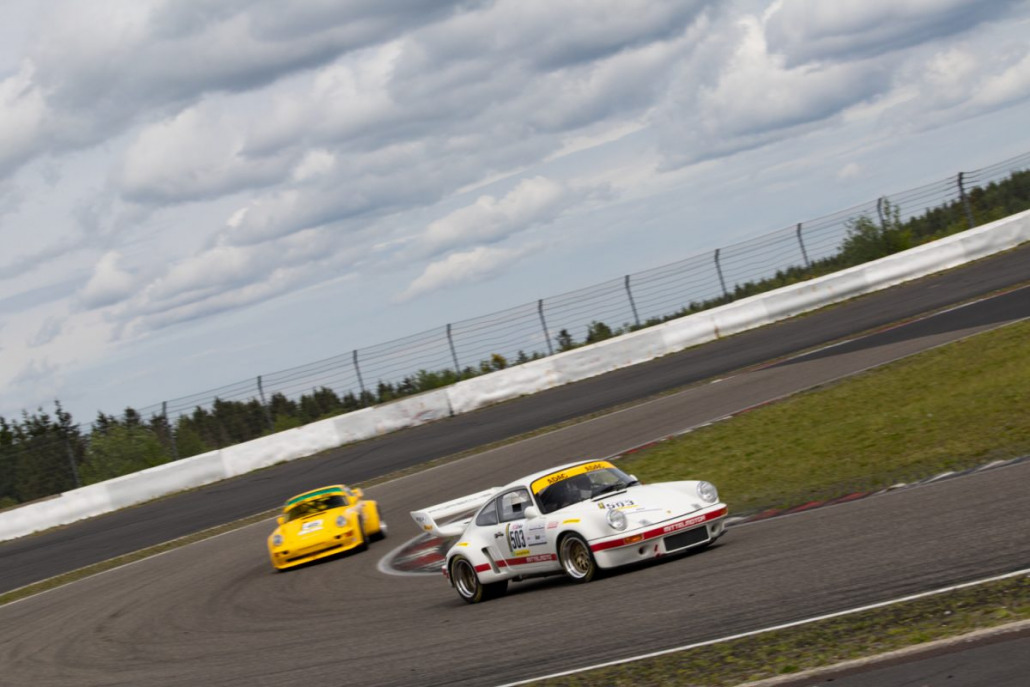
(544, 327)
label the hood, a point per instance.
(312, 525)
(646, 504)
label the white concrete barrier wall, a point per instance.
(529, 378)
(151, 483)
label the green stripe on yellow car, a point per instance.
(313, 494)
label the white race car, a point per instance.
(573, 519)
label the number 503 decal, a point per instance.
(516, 537)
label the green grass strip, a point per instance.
(821, 643)
(950, 408)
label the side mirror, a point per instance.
(358, 493)
(531, 512)
(281, 519)
(633, 478)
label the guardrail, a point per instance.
(531, 377)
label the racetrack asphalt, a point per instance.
(44, 555)
(215, 613)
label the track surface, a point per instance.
(38, 557)
(214, 612)
(998, 662)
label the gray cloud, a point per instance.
(100, 67)
(812, 30)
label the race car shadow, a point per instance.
(537, 585)
(319, 561)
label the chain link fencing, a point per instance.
(38, 466)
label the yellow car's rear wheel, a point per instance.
(363, 546)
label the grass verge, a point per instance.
(950, 408)
(822, 643)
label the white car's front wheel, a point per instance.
(576, 558)
(470, 589)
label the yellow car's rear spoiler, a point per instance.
(427, 518)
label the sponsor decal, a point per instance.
(683, 524)
(516, 537)
(311, 526)
(539, 485)
(617, 505)
(552, 525)
(527, 560)
(659, 531)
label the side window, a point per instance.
(488, 516)
(514, 504)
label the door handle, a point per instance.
(498, 535)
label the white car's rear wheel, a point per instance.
(470, 589)
(576, 558)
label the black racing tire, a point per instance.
(576, 558)
(466, 582)
(363, 546)
(381, 534)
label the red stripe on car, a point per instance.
(536, 558)
(659, 531)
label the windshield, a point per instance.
(315, 506)
(573, 486)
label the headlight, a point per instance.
(707, 492)
(617, 519)
(277, 539)
(341, 520)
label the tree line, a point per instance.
(42, 453)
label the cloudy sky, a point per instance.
(194, 192)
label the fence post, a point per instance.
(804, 253)
(454, 353)
(543, 323)
(264, 404)
(357, 368)
(965, 200)
(71, 462)
(629, 292)
(171, 430)
(718, 269)
(879, 212)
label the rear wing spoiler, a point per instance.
(427, 519)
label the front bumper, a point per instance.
(290, 557)
(672, 536)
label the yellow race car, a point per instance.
(324, 522)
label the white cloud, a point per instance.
(191, 157)
(467, 267)
(533, 201)
(960, 82)
(1007, 86)
(109, 284)
(744, 96)
(23, 114)
(317, 163)
(257, 150)
(850, 171)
